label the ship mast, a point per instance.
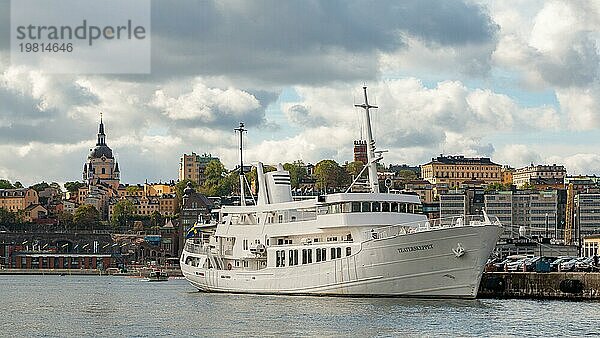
(241, 130)
(373, 182)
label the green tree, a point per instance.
(214, 173)
(497, 187)
(7, 217)
(18, 184)
(56, 186)
(354, 168)
(73, 186)
(297, 173)
(86, 216)
(133, 190)
(40, 186)
(330, 175)
(123, 212)
(156, 219)
(5, 184)
(65, 219)
(527, 186)
(407, 174)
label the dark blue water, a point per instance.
(117, 306)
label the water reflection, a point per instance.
(114, 306)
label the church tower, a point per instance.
(101, 166)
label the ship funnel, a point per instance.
(274, 186)
(262, 187)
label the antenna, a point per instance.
(370, 144)
(241, 130)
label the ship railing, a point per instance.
(432, 224)
(196, 245)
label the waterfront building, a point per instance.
(531, 173)
(455, 203)
(15, 200)
(454, 170)
(51, 260)
(191, 167)
(195, 208)
(587, 213)
(590, 246)
(529, 213)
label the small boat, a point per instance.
(158, 276)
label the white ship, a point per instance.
(341, 244)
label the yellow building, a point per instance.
(159, 189)
(454, 170)
(168, 204)
(507, 175)
(14, 200)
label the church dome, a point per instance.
(100, 151)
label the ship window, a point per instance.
(280, 241)
(245, 264)
(318, 258)
(385, 207)
(402, 207)
(338, 252)
(323, 254)
(348, 251)
(280, 218)
(295, 257)
(366, 207)
(376, 207)
(237, 263)
(355, 206)
(245, 244)
(309, 255)
(332, 253)
(346, 207)
(304, 256)
(293, 218)
(394, 207)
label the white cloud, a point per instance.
(517, 155)
(205, 104)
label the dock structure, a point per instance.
(552, 285)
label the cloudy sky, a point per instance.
(518, 81)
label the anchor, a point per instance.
(459, 251)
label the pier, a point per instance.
(552, 285)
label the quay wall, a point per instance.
(552, 285)
(136, 273)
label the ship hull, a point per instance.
(441, 263)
